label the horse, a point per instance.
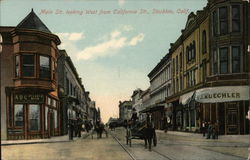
(99, 129)
(149, 133)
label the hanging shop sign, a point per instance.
(222, 94)
(29, 98)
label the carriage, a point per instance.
(140, 130)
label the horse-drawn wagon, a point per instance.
(141, 130)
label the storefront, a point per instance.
(225, 105)
(32, 115)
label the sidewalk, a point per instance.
(233, 138)
(56, 139)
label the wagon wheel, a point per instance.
(129, 137)
(155, 139)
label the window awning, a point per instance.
(186, 98)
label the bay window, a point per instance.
(235, 59)
(44, 70)
(17, 62)
(28, 65)
(223, 14)
(235, 18)
(215, 62)
(223, 60)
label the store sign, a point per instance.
(29, 98)
(222, 94)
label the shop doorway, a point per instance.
(51, 124)
(232, 119)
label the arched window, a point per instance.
(204, 42)
(1, 40)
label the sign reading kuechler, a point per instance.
(222, 94)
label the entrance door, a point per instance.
(232, 118)
(51, 124)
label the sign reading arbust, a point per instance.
(29, 98)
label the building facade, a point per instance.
(211, 70)
(125, 110)
(29, 97)
(72, 93)
(160, 88)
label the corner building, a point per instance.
(29, 99)
(210, 64)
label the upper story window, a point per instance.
(28, 66)
(44, 70)
(180, 61)
(173, 64)
(67, 85)
(204, 42)
(235, 59)
(223, 18)
(215, 62)
(223, 60)
(193, 50)
(215, 23)
(187, 54)
(235, 18)
(17, 64)
(177, 64)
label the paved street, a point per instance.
(170, 146)
(81, 149)
(187, 148)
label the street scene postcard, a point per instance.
(125, 79)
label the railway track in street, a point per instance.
(131, 155)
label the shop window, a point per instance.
(235, 18)
(49, 101)
(215, 62)
(34, 117)
(28, 67)
(204, 42)
(46, 118)
(192, 118)
(44, 71)
(223, 60)
(235, 59)
(215, 23)
(18, 118)
(223, 14)
(55, 114)
(17, 61)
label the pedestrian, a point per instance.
(216, 130)
(203, 128)
(209, 130)
(71, 128)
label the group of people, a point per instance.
(210, 129)
(78, 125)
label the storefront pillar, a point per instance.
(217, 112)
(225, 115)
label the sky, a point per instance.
(114, 44)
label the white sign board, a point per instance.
(222, 94)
